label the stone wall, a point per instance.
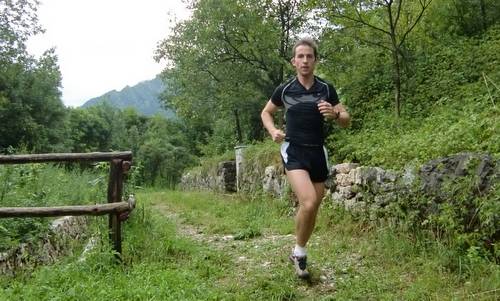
(359, 188)
(251, 177)
(47, 249)
(372, 189)
(355, 187)
(221, 178)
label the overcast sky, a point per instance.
(104, 45)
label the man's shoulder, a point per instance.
(288, 82)
(322, 81)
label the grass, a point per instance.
(38, 185)
(394, 143)
(203, 246)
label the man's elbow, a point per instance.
(264, 115)
(344, 125)
(344, 121)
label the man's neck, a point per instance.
(306, 81)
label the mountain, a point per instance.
(144, 97)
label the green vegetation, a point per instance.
(413, 97)
(178, 246)
(44, 185)
(453, 107)
(440, 59)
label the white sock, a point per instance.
(299, 251)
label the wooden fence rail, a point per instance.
(97, 209)
(117, 209)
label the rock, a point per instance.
(382, 200)
(337, 198)
(343, 179)
(436, 172)
(345, 168)
(272, 182)
(345, 192)
(48, 248)
(373, 178)
(227, 176)
(409, 176)
(354, 205)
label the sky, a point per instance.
(104, 45)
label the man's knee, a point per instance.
(310, 204)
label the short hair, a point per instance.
(307, 42)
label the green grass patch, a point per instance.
(244, 217)
(39, 185)
(469, 126)
(349, 260)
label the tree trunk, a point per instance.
(238, 127)
(396, 78)
(397, 83)
(483, 15)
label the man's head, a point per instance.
(305, 42)
(305, 53)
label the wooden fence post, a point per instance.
(115, 191)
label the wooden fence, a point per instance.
(116, 208)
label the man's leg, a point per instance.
(309, 195)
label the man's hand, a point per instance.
(327, 110)
(277, 135)
(267, 119)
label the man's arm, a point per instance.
(343, 117)
(267, 119)
(336, 112)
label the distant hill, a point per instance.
(144, 97)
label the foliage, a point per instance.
(393, 144)
(160, 147)
(385, 25)
(222, 139)
(18, 22)
(164, 153)
(459, 215)
(453, 109)
(30, 108)
(227, 59)
(43, 185)
(462, 18)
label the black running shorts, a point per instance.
(313, 159)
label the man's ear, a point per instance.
(292, 60)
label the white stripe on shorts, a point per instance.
(284, 147)
(326, 159)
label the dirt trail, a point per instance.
(268, 251)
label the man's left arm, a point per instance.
(341, 116)
(335, 112)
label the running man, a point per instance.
(308, 101)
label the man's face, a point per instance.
(304, 60)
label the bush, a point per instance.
(43, 185)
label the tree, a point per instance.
(462, 17)
(389, 23)
(227, 59)
(18, 22)
(30, 107)
(164, 153)
(88, 131)
(31, 111)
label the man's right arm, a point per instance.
(267, 119)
